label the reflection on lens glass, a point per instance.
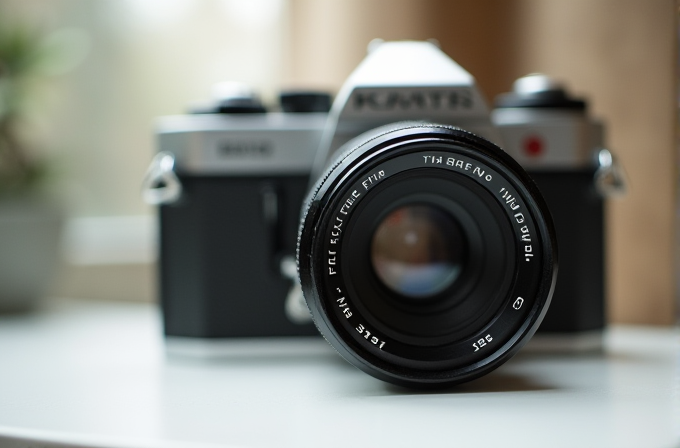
(418, 250)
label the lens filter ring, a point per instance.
(462, 328)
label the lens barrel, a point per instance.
(426, 254)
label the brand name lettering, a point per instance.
(391, 100)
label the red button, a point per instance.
(534, 146)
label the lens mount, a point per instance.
(477, 240)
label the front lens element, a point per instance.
(418, 251)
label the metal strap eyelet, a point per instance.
(610, 179)
(161, 185)
(296, 306)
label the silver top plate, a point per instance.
(242, 144)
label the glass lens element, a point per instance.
(418, 250)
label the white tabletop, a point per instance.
(96, 374)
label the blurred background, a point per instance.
(109, 67)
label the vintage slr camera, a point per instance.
(426, 254)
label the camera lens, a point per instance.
(426, 255)
(418, 250)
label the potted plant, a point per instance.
(30, 223)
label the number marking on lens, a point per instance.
(367, 335)
(349, 202)
(373, 178)
(344, 306)
(518, 303)
(482, 342)
(331, 262)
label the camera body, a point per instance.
(230, 182)
(562, 148)
(233, 178)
